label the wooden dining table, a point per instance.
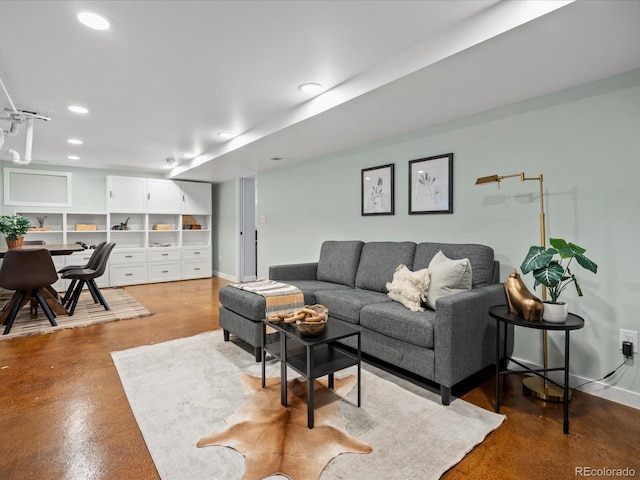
(54, 249)
(50, 294)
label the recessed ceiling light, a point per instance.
(73, 157)
(310, 88)
(94, 20)
(77, 109)
(74, 141)
(189, 155)
(226, 135)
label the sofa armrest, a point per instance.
(464, 333)
(295, 271)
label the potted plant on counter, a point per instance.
(555, 273)
(14, 228)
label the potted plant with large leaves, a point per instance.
(555, 274)
(14, 228)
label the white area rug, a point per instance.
(182, 390)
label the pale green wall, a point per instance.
(586, 143)
(224, 249)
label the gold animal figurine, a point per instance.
(521, 301)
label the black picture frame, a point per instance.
(377, 190)
(431, 185)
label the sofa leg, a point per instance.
(258, 353)
(445, 394)
(225, 333)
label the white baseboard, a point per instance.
(225, 276)
(599, 389)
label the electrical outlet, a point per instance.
(629, 336)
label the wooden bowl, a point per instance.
(311, 329)
(319, 309)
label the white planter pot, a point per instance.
(555, 312)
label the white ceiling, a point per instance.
(172, 74)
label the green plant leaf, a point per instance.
(537, 258)
(549, 275)
(558, 243)
(584, 262)
(576, 248)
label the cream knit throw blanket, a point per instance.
(279, 297)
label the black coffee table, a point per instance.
(310, 356)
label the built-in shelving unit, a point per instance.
(156, 246)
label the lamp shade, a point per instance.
(489, 179)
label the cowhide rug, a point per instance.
(275, 439)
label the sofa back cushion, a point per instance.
(379, 261)
(338, 261)
(480, 256)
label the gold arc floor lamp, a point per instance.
(536, 386)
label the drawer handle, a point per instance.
(164, 254)
(197, 268)
(196, 253)
(128, 274)
(165, 271)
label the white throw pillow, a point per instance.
(409, 288)
(447, 277)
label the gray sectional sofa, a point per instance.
(445, 345)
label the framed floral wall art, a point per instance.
(431, 185)
(377, 190)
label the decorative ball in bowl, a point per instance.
(312, 328)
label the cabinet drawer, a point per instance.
(127, 274)
(80, 258)
(196, 269)
(125, 257)
(164, 254)
(198, 253)
(164, 272)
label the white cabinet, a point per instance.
(163, 196)
(128, 267)
(164, 264)
(126, 194)
(143, 195)
(196, 198)
(196, 262)
(146, 220)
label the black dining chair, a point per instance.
(27, 272)
(88, 276)
(92, 263)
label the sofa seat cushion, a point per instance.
(346, 304)
(310, 287)
(396, 321)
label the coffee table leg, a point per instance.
(310, 392)
(283, 370)
(359, 383)
(497, 399)
(264, 354)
